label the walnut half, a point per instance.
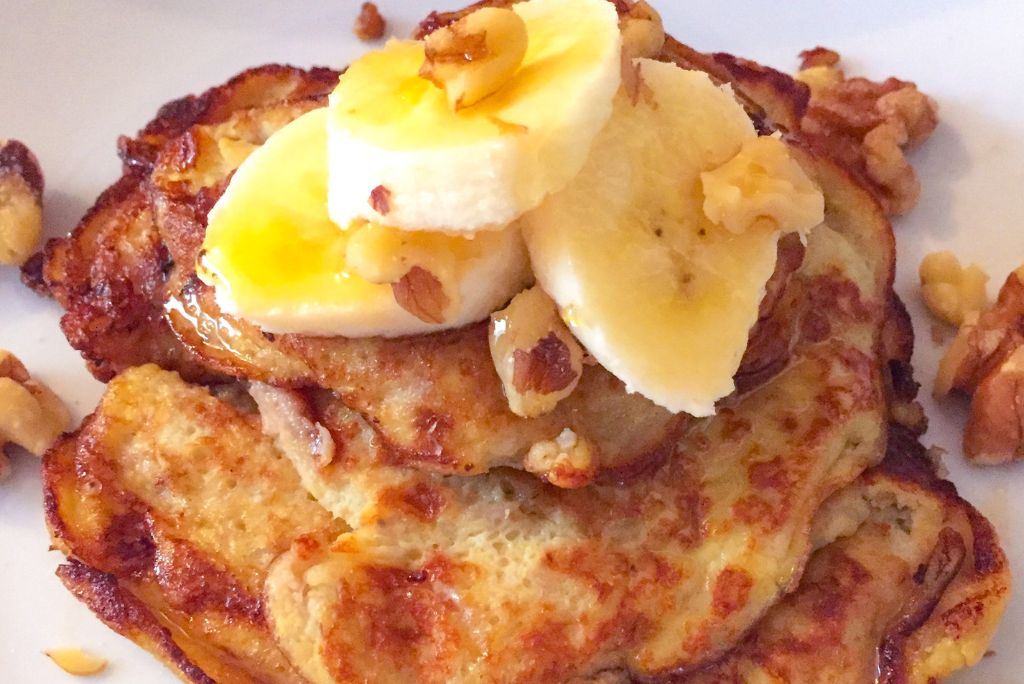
(867, 125)
(537, 358)
(31, 415)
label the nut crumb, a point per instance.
(565, 461)
(380, 200)
(936, 454)
(369, 25)
(21, 202)
(31, 415)
(77, 662)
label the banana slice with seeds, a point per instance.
(659, 293)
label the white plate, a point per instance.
(75, 75)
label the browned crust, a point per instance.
(125, 614)
(981, 579)
(251, 88)
(110, 273)
(150, 577)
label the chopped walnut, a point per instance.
(762, 186)
(370, 25)
(31, 415)
(77, 662)
(995, 426)
(986, 359)
(984, 340)
(380, 200)
(565, 461)
(916, 113)
(421, 293)
(21, 202)
(867, 125)
(475, 56)
(819, 70)
(820, 78)
(643, 34)
(818, 57)
(537, 358)
(420, 266)
(952, 291)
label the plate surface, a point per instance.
(75, 75)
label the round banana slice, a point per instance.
(473, 142)
(660, 294)
(275, 257)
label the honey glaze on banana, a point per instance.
(532, 144)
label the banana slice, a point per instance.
(402, 155)
(660, 294)
(275, 257)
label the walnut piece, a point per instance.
(421, 293)
(380, 200)
(77, 662)
(951, 291)
(643, 33)
(818, 57)
(537, 358)
(986, 359)
(31, 415)
(370, 25)
(762, 187)
(475, 56)
(565, 461)
(820, 78)
(867, 125)
(21, 202)
(995, 426)
(984, 340)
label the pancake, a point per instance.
(172, 508)
(434, 400)
(110, 273)
(366, 517)
(634, 566)
(907, 584)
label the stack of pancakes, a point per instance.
(253, 507)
